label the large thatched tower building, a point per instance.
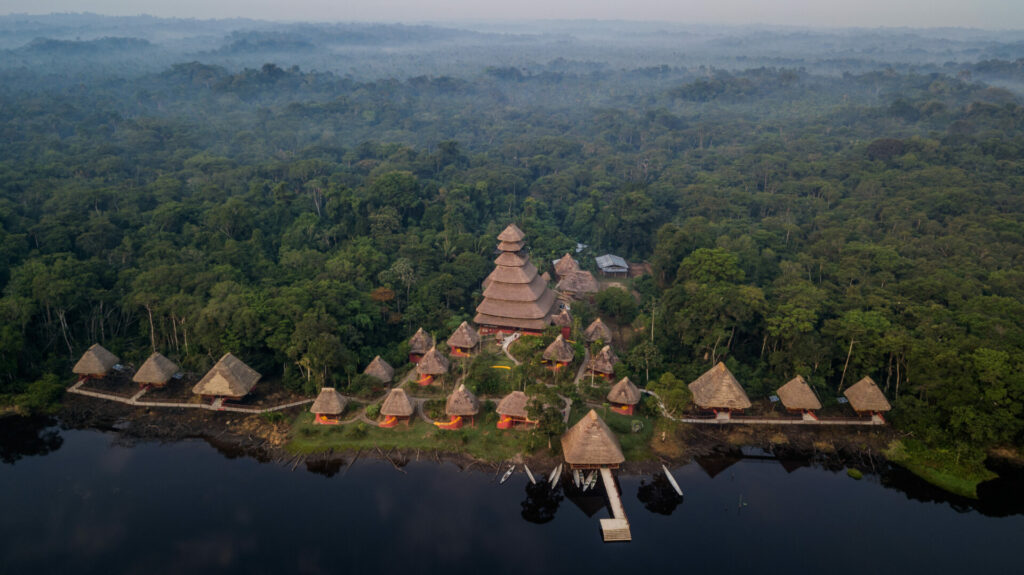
(515, 297)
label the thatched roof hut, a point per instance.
(581, 282)
(462, 402)
(433, 363)
(329, 402)
(511, 233)
(396, 404)
(560, 351)
(420, 342)
(590, 443)
(513, 405)
(604, 362)
(562, 319)
(718, 389)
(230, 377)
(95, 361)
(597, 330)
(464, 337)
(566, 265)
(515, 297)
(624, 393)
(156, 370)
(864, 396)
(380, 369)
(797, 395)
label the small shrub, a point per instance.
(373, 411)
(357, 430)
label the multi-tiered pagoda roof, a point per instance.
(515, 297)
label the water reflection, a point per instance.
(658, 495)
(28, 436)
(541, 502)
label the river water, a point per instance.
(74, 501)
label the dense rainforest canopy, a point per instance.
(829, 225)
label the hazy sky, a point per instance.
(834, 13)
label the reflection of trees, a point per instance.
(26, 436)
(541, 502)
(328, 467)
(658, 496)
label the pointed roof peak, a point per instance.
(511, 233)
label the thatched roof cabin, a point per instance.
(462, 402)
(565, 266)
(513, 405)
(397, 404)
(464, 337)
(718, 389)
(624, 393)
(590, 443)
(604, 362)
(329, 402)
(230, 377)
(433, 363)
(797, 395)
(597, 330)
(559, 351)
(96, 361)
(156, 370)
(864, 396)
(380, 369)
(515, 297)
(420, 342)
(562, 319)
(582, 282)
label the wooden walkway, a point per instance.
(763, 420)
(217, 405)
(616, 528)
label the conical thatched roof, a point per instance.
(559, 350)
(796, 394)
(717, 388)
(597, 330)
(230, 377)
(512, 233)
(156, 369)
(95, 361)
(329, 402)
(604, 361)
(513, 405)
(566, 265)
(380, 369)
(462, 402)
(562, 319)
(578, 282)
(591, 442)
(420, 342)
(865, 396)
(396, 404)
(464, 336)
(624, 393)
(433, 363)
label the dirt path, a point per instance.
(509, 341)
(583, 368)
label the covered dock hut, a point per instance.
(433, 364)
(461, 406)
(563, 320)
(396, 407)
(512, 411)
(419, 344)
(578, 285)
(590, 444)
(597, 331)
(612, 265)
(380, 370)
(229, 378)
(516, 299)
(798, 397)
(565, 265)
(463, 340)
(156, 371)
(603, 364)
(328, 407)
(559, 354)
(95, 363)
(624, 397)
(718, 391)
(866, 399)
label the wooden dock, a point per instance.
(217, 405)
(616, 528)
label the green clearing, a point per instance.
(958, 473)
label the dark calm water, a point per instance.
(77, 502)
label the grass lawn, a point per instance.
(941, 467)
